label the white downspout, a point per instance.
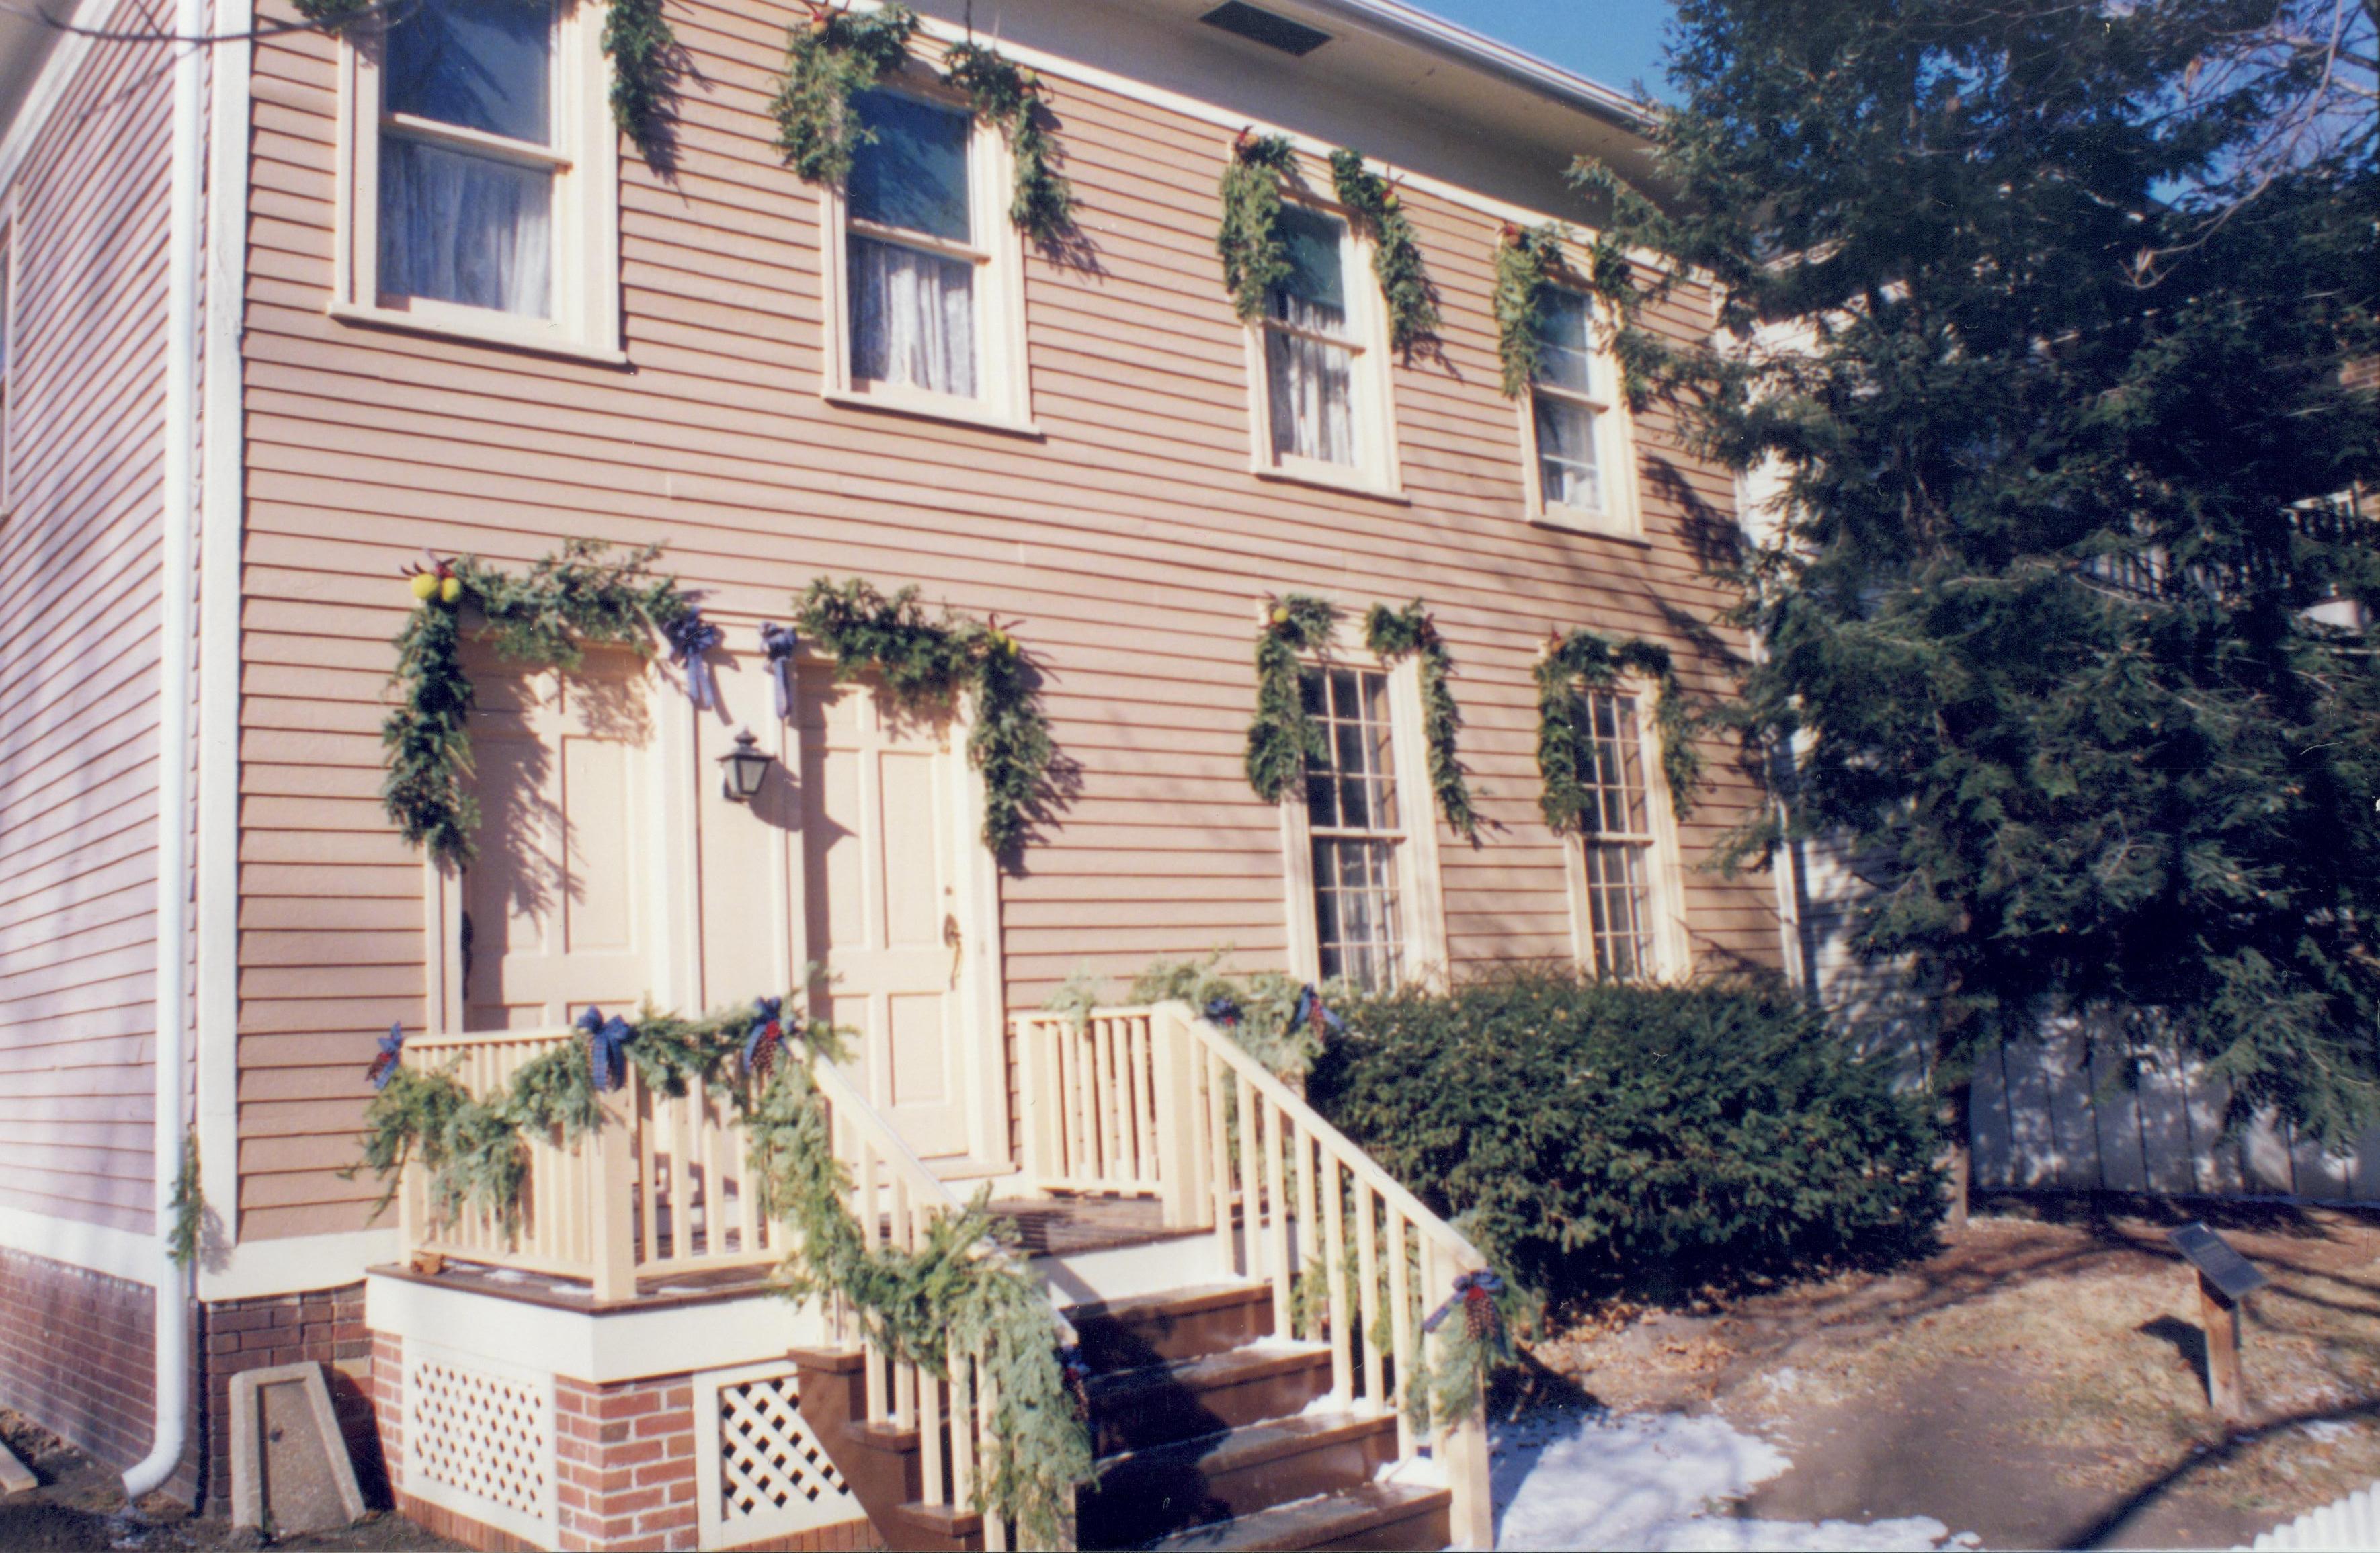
(174, 555)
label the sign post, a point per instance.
(2225, 1278)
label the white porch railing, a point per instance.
(660, 1188)
(1158, 1102)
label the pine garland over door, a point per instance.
(927, 664)
(582, 597)
(1396, 257)
(1584, 661)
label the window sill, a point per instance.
(536, 342)
(1571, 520)
(957, 412)
(1353, 483)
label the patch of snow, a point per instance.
(2328, 1431)
(1787, 1380)
(1597, 1480)
(1424, 1472)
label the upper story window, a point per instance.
(481, 186)
(1324, 410)
(931, 311)
(1573, 429)
(1622, 877)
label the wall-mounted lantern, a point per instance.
(744, 769)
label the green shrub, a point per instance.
(1593, 1137)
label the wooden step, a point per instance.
(1158, 1329)
(1376, 1515)
(1146, 1494)
(1157, 1404)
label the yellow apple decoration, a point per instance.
(424, 584)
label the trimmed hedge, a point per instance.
(1595, 1137)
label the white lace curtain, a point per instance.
(1310, 383)
(911, 318)
(462, 228)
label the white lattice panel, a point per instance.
(479, 1439)
(761, 1473)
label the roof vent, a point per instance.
(1264, 27)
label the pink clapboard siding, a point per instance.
(79, 585)
(1129, 546)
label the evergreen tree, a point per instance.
(2050, 319)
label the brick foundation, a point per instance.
(625, 1455)
(325, 1327)
(77, 1356)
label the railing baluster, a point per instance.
(1309, 1217)
(995, 1529)
(1219, 1145)
(1277, 1221)
(1400, 1327)
(963, 1444)
(1251, 1177)
(1367, 1263)
(1102, 1116)
(1334, 1262)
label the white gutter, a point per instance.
(1419, 29)
(175, 554)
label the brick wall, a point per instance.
(624, 1456)
(77, 1350)
(325, 1327)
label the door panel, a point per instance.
(558, 908)
(880, 903)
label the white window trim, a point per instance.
(1665, 886)
(1615, 448)
(586, 221)
(1006, 402)
(1420, 887)
(1377, 470)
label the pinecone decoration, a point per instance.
(1479, 1315)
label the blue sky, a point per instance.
(1615, 41)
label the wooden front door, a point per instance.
(881, 903)
(559, 905)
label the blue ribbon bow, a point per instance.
(1486, 1283)
(383, 1066)
(606, 1043)
(1310, 1010)
(690, 636)
(779, 642)
(1223, 1008)
(760, 1044)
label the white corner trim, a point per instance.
(615, 1346)
(297, 1265)
(223, 456)
(92, 1247)
(49, 89)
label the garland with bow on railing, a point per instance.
(926, 665)
(546, 619)
(1443, 1393)
(961, 1288)
(1396, 257)
(1584, 661)
(637, 39)
(1281, 737)
(1395, 635)
(839, 53)
(1248, 237)
(1528, 260)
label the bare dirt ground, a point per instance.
(79, 1505)
(2040, 1382)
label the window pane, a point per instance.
(1309, 384)
(1613, 770)
(1618, 909)
(482, 64)
(1567, 470)
(1355, 911)
(1317, 271)
(1568, 357)
(463, 228)
(914, 174)
(911, 318)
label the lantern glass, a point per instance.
(744, 769)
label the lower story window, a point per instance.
(1355, 819)
(1618, 837)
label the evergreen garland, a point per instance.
(1248, 240)
(1410, 632)
(1256, 1008)
(926, 665)
(642, 47)
(917, 1303)
(333, 15)
(1584, 660)
(189, 1203)
(1005, 97)
(544, 618)
(1282, 738)
(1396, 257)
(1526, 262)
(833, 59)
